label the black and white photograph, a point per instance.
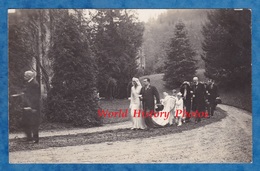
(130, 86)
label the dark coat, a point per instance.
(198, 102)
(148, 97)
(212, 93)
(188, 88)
(187, 99)
(31, 99)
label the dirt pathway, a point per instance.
(229, 140)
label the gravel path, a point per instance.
(229, 140)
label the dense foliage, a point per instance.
(158, 33)
(227, 47)
(116, 38)
(180, 64)
(74, 55)
(71, 98)
(22, 53)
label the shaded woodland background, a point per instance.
(76, 52)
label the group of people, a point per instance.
(196, 100)
(176, 107)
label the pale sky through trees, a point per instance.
(145, 14)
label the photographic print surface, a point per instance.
(133, 85)
(85, 86)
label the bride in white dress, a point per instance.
(169, 104)
(135, 105)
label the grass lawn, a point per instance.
(157, 81)
(110, 105)
(241, 98)
(115, 105)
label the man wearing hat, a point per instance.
(31, 110)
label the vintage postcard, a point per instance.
(133, 85)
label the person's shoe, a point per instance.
(36, 141)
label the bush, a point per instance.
(71, 100)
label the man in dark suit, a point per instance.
(148, 93)
(198, 101)
(31, 114)
(212, 91)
